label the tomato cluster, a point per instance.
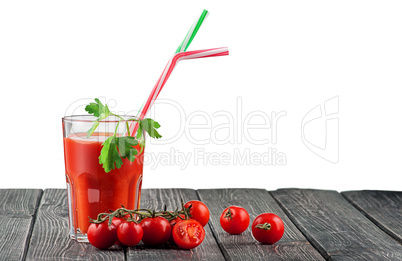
(267, 228)
(184, 228)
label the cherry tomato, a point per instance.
(188, 234)
(198, 211)
(235, 220)
(172, 223)
(116, 222)
(267, 228)
(102, 235)
(156, 231)
(130, 233)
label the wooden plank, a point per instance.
(17, 210)
(292, 246)
(50, 237)
(19, 202)
(155, 199)
(337, 229)
(384, 208)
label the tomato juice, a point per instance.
(92, 191)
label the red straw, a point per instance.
(168, 70)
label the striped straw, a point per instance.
(168, 70)
(192, 32)
(188, 38)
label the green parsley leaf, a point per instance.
(125, 145)
(98, 109)
(139, 131)
(110, 157)
(150, 126)
(114, 149)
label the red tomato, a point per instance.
(130, 233)
(268, 228)
(198, 211)
(156, 231)
(102, 235)
(172, 223)
(235, 220)
(116, 222)
(188, 234)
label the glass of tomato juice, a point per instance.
(90, 190)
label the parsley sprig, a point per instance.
(116, 148)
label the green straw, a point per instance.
(192, 32)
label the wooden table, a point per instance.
(319, 225)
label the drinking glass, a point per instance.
(90, 190)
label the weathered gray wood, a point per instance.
(336, 228)
(19, 202)
(17, 210)
(50, 237)
(384, 208)
(292, 246)
(155, 199)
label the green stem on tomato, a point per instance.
(142, 213)
(265, 226)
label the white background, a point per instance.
(285, 56)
